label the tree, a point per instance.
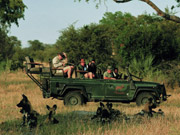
(159, 12)
(18, 55)
(11, 11)
(35, 49)
(90, 41)
(145, 35)
(150, 3)
(6, 47)
(11, 54)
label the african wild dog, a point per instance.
(29, 115)
(52, 112)
(105, 113)
(148, 110)
(148, 107)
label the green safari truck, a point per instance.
(77, 91)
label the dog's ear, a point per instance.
(101, 104)
(24, 97)
(47, 106)
(111, 105)
(55, 107)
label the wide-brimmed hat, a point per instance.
(109, 67)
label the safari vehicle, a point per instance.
(77, 91)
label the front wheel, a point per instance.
(143, 97)
(73, 98)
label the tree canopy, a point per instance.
(11, 11)
(155, 7)
(89, 42)
(144, 35)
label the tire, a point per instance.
(73, 99)
(143, 97)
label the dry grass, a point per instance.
(13, 85)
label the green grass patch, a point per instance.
(69, 124)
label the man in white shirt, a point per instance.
(60, 61)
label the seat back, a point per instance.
(31, 66)
(29, 61)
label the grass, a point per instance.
(76, 120)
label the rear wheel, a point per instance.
(73, 98)
(143, 97)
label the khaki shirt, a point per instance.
(57, 62)
(109, 75)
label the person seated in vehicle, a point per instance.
(60, 62)
(108, 74)
(116, 74)
(82, 68)
(91, 68)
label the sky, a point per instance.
(45, 19)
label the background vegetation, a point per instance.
(147, 43)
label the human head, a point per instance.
(82, 62)
(116, 70)
(61, 56)
(93, 60)
(109, 69)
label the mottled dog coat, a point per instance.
(105, 113)
(52, 112)
(29, 115)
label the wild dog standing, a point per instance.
(52, 112)
(29, 115)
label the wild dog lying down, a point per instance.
(52, 112)
(106, 113)
(29, 115)
(148, 109)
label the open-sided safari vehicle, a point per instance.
(78, 91)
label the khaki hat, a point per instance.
(109, 67)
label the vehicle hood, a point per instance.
(146, 84)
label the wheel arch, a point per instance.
(150, 90)
(79, 89)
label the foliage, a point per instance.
(11, 11)
(88, 42)
(171, 71)
(118, 40)
(147, 35)
(10, 48)
(142, 66)
(35, 50)
(151, 4)
(5, 46)
(10, 51)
